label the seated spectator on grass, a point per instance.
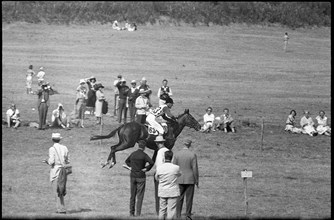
(115, 26)
(322, 127)
(307, 124)
(224, 122)
(59, 119)
(13, 116)
(208, 119)
(290, 123)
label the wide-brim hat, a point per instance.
(133, 82)
(123, 80)
(56, 136)
(159, 139)
(143, 79)
(41, 68)
(82, 81)
(188, 142)
(141, 91)
(91, 78)
(45, 84)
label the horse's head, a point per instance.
(188, 120)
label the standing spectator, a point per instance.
(307, 124)
(59, 119)
(187, 161)
(208, 119)
(30, 73)
(286, 39)
(91, 94)
(323, 127)
(137, 162)
(142, 105)
(13, 116)
(99, 101)
(160, 159)
(80, 102)
(168, 192)
(224, 122)
(146, 87)
(58, 157)
(132, 96)
(290, 123)
(164, 92)
(123, 94)
(40, 76)
(116, 105)
(43, 103)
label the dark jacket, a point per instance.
(137, 161)
(133, 95)
(123, 90)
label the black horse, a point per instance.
(130, 133)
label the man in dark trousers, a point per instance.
(123, 96)
(43, 104)
(187, 161)
(136, 162)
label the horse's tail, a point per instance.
(98, 137)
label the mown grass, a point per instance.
(243, 68)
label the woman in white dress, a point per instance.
(99, 101)
(322, 127)
(307, 124)
(290, 123)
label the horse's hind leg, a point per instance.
(114, 149)
(111, 156)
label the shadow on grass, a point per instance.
(78, 211)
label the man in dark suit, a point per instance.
(187, 161)
(43, 103)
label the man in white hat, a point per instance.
(142, 105)
(123, 97)
(58, 157)
(132, 96)
(40, 76)
(160, 159)
(143, 85)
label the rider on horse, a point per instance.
(160, 115)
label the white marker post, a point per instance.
(262, 130)
(246, 174)
(101, 128)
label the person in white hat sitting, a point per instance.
(58, 157)
(59, 119)
(132, 96)
(40, 76)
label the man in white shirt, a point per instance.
(168, 192)
(142, 105)
(208, 119)
(160, 159)
(13, 116)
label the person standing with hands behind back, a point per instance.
(187, 161)
(136, 162)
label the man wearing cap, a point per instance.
(187, 161)
(13, 116)
(160, 115)
(137, 164)
(132, 96)
(58, 157)
(146, 87)
(142, 105)
(116, 105)
(40, 76)
(43, 103)
(123, 95)
(168, 190)
(160, 159)
(80, 102)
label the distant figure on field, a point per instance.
(164, 92)
(225, 122)
(323, 127)
(30, 73)
(286, 39)
(208, 119)
(290, 123)
(13, 116)
(307, 124)
(139, 163)
(40, 76)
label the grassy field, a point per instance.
(243, 68)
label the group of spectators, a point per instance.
(175, 178)
(127, 26)
(307, 124)
(225, 122)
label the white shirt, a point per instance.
(321, 121)
(167, 174)
(306, 121)
(55, 162)
(11, 114)
(160, 159)
(40, 75)
(142, 102)
(208, 118)
(116, 89)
